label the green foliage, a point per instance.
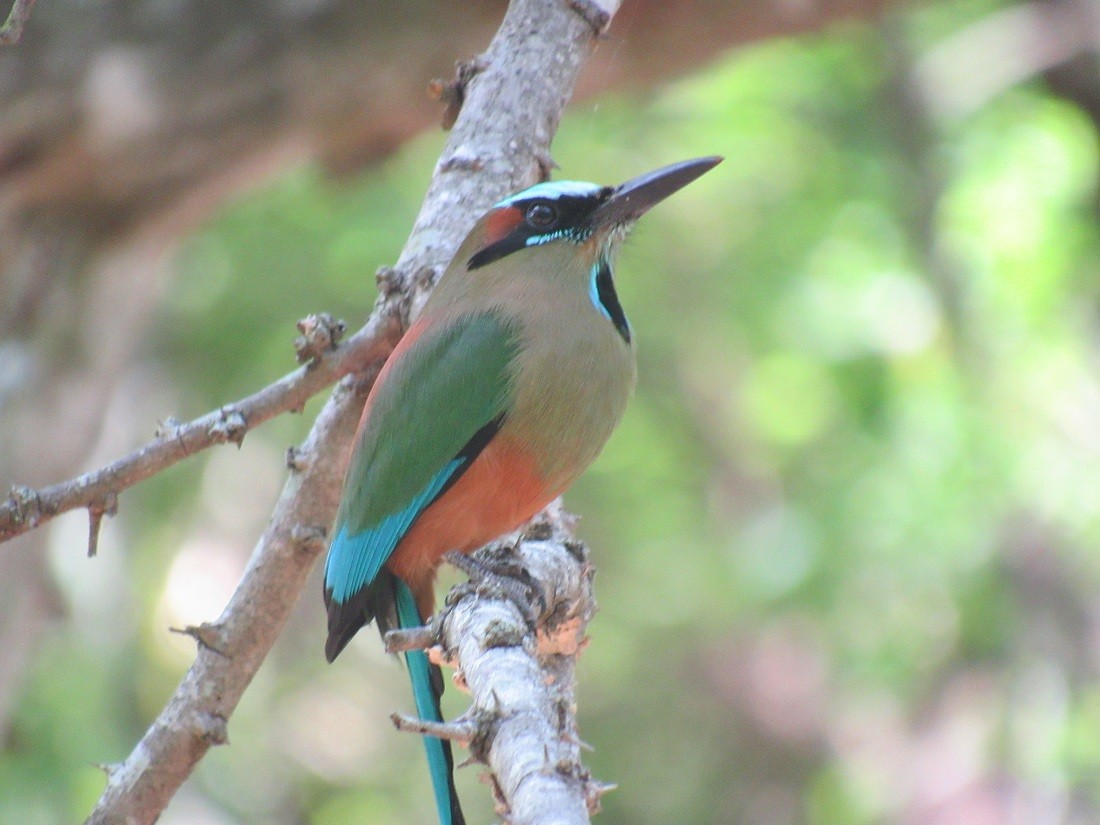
(845, 535)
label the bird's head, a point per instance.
(583, 214)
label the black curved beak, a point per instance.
(630, 200)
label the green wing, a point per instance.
(439, 405)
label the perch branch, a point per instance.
(522, 720)
(12, 29)
(510, 113)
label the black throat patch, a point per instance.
(602, 291)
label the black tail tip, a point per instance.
(332, 650)
(337, 640)
(344, 620)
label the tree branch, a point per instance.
(12, 29)
(510, 113)
(98, 491)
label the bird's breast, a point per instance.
(573, 378)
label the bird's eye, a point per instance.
(542, 216)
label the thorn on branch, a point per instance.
(389, 281)
(167, 428)
(594, 789)
(171, 428)
(105, 506)
(426, 276)
(320, 333)
(109, 768)
(547, 165)
(296, 460)
(580, 743)
(461, 731)
(452, 93)
(27, 505)
(207, 635)
(212, 727)
(593, 13)
(231, 426)
(12, 30)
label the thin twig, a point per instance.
(206, 635)
(459, 731)
(105, 506)
(12, 29)
(412, 638)
(25, 509)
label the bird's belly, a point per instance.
(501, 490)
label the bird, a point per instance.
(497, 397)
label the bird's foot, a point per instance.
(495, 572)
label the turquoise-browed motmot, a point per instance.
(498, 396)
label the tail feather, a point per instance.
(375, 602)
(427, 684)
(345, 619)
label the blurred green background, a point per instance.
(846, 535)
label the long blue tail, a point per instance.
(427, 685)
